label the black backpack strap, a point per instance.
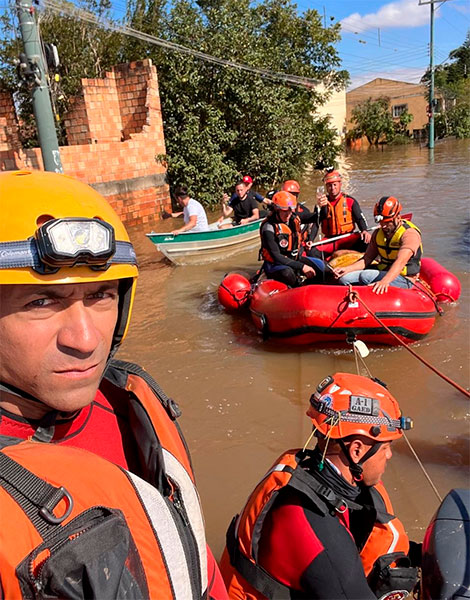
(36, 497)
(256, 576)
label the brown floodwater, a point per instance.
(244, 400)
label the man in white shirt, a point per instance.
(194, 216)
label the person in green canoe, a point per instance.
(194, 215)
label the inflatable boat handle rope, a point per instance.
(354, 296)
(357, 355)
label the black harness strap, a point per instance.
(36, 497)
(253, 573)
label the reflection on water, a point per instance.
(244, 401)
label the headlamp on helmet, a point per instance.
(58, 230)
(386, 209)
(346, 404)
(73, 241)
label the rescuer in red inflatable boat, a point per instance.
(396, 245)
(282, 249)
(320, 524)
(338, 213)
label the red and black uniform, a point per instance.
(294, 538)
(132, 424)
(282, 249)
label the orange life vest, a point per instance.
(288, 239)
(388, 534)
(244, 578)
(339, 219)
(157, 512)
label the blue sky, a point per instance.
(391, 39)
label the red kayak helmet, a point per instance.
(332, 176)
(234, 291)
(386, 209)
(345, 405)
(283, 201)
(291, 186)
(247, 179)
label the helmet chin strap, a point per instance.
(356, 468)
(14, 391)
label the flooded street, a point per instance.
(244, 401)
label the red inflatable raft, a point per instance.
(320, 314)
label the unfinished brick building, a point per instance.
(115, 132)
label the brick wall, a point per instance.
(115, 130)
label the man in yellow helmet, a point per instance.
(67, 282)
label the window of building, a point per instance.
(399, 109)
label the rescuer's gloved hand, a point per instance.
(166, 215)
(392, 573)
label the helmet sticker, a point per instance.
(326, 399)
(283, 243)
(364, 406)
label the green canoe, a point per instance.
(205, 246)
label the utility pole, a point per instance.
(32, 69)
(431, 84)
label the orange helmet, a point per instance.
(284, 200)
(346, 404)
(291, 186)
(386, 209)
(332, 176)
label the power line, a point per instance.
(83, 15)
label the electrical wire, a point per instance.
(78, 13)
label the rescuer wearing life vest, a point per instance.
(68, 275)
(308, 218)
(339, 213)
(320, 524)
(281, 244)
(396, 245)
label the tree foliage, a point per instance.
(453, 81)
(373, 119)
(219, 121)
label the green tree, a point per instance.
(452, 80)
(373, 119)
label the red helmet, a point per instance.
(386, 209)
(291, 186)
(283, 200)
(247, 179)
(234, 291)
(346, 404)
(332, 176)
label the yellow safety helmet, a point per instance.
(57, 230)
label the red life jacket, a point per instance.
(339, 219)
(244, 578)
(142, 533)
(289, 239)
